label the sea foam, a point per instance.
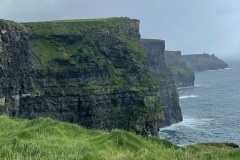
(185, 97)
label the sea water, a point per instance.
(211, 109)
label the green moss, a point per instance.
(134, 47)
(136, 116)
(146, 81)
(158, 105)
(79, 55)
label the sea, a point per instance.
(211, 109)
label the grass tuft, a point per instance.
(49, 139)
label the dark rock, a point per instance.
(80, 72)
(163, 76)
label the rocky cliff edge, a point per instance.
(90, 72)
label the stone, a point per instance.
(167, 94)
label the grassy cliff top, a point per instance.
(202, 62)
(13, 24)
(108, 46)
(152, 40)
(75, 26)
(49, 139)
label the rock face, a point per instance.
(163, 76)
(89, 72)
(203, 62)
(184, 76)
(14, 66)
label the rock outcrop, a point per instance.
(14, 66)
(163, 76)
(184, 76)
(89, 72)
(203, 62)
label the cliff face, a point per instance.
(90, 72)
(184, 76)
(14, 65)
(203, 62)
(163, 76)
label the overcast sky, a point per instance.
(192, 26)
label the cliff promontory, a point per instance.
(184, 76)
(163, 76)
(203, 62)
(90, 72)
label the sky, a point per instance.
(192, 26)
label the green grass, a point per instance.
(49, 139)
(73, 27)
(14, 24)
(64, 39)
(181, 70)
(134, 47)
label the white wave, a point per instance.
(184, 97)
(197, 85)
(218, 69)
(183, 88)
(193, 123)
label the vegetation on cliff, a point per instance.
(91, 72)
(163, 76)
(13, 24)
(203, 62)
(184, 76)
(49, 139)
(87, 46)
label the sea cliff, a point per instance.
(163, 76)
(90, 72)
(184, 76)
(203, 62)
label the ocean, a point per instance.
(211, 109)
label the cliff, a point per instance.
(163, 76)
(203, 62)
(184, 76)
(90, 72)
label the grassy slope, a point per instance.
(49, 139)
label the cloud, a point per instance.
(191, 26)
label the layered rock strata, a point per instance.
(89, 72)
(163, 76)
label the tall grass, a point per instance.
(49, 139)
